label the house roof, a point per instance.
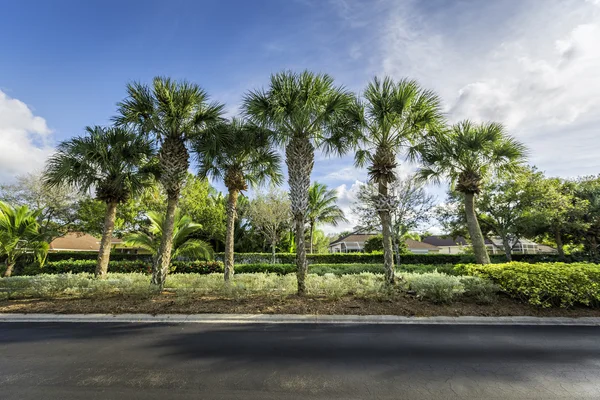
(353, 238)
(414, 244)
(78, 241)
(445, 241)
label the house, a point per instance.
(79, 241)
(447, 244)
(457, 245)
(355, 242)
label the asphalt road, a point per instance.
(261, 362)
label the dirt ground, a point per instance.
(165, 304)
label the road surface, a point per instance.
(261, 362)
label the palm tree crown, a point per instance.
(184, 244)
(322, 208)
(20, 235)
(109, 160)
(468, 153)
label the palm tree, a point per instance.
(184, 243)
(112, 161)
(240, 153)
(172, 113)
(20, 235)
(468, 154)
(394, 116)
(322, 209)
(306, 111)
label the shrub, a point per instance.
(89, 266)
(480, 290)
(374, 243)
(435, 286)
(544, 284)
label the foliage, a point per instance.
(322, 209)
(184, 244)
(58, 206)
(435, 286)
(374, 243)
(544, 284)
(269, 214)
(20, 236)
(320, 242)
(480, 290)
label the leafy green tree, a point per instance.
(322, 209)
(57, 205)
(173, 114)
(587, 189)
(395, 116)
(412, 207)
(113, 162)
(306, 111)
(240, 154)
(270, 215)
(468, 154)
(20, 235)
(184, 242)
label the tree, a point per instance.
(468, 154)
(412, 207)
(322, 209)
(172, 113)
(306, 111)
(20, 235)
(587, 189)
(321, 242)
(184, 243)
(394, 116)
(113, 162)
(270, 215)
(57, 205)
(240, 154)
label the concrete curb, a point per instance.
(297, 319)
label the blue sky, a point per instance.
(533, 65)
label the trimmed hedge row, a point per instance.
(543, 284)
(78, 266)
(91, 255)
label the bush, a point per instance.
(480, 290)
(543, 284)
(89, 266)
(91, 255)
(435, 286)
(374, 243)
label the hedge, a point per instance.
(64, 266)
(543, 284)
(91, 255)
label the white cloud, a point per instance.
(346, 196)
(24, 139)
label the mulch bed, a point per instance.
(404, 305)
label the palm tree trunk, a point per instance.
(163, 257)
(9, 269)
(299, 157)
(507, 248)
(481, 254)
(231, 215)
(312, 230)
(105, 243)
(559, 244)
(386, 230)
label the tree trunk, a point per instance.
(481, 254)
(559, 244)
(507, 248)
(312, 229)
(163, 257)
(299, 157)
(9, 269)
(231, 215)
(386, 230)
(105, 243)
(273, 250)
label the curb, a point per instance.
(298, 319)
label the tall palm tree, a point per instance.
(240, 153)
(322, 209)
(395, 115)
(306, 111)
(20, 235)
(112, 161)
(468, 154)
(184, 243)
(172, 113)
